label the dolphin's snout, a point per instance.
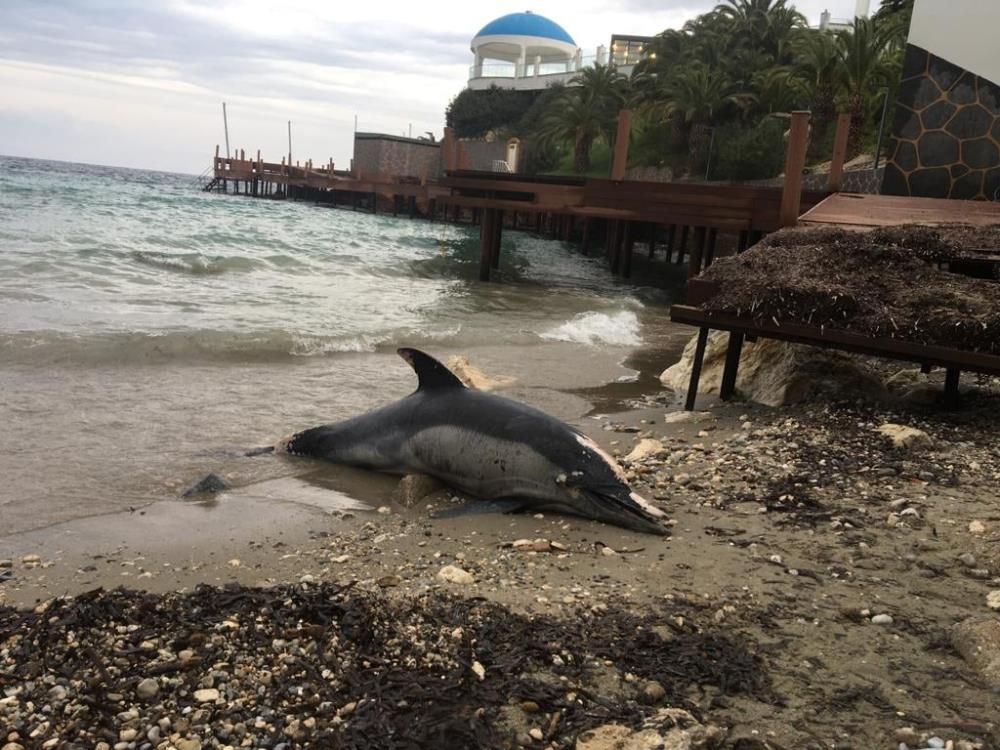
(620, 509)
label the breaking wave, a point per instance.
(617, 329)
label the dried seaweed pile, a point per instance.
(879, 283)
(331, 666)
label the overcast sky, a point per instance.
(140, 82)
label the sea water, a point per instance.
(150, 332)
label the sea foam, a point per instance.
(618, 329)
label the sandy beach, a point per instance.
(839, 564)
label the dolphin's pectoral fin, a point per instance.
(479, 507)
(430, 372)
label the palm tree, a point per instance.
(818, 74)
(693, 98)
(572, 118)
(603, 89)
(763, 25)
(865, 68)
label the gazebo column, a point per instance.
(578, 60)
(538, 65)
(522, 64)
(478, 68)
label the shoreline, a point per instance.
(794, 574)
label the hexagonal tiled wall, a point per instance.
(946, 134)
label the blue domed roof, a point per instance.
(526, 24)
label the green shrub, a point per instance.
(472, 114)
(749, 153)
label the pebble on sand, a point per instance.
(147, 689)
(456, 575)
(882, 620)
(206, 695)
(903, 437)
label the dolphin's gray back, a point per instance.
(482, 443)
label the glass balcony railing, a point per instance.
(546, 67)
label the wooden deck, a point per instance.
(852, 211)
(622, 213)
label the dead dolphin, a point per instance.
(484, 445)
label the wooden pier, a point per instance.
(689, 222)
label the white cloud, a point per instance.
(140, 84)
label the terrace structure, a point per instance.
(529, 52)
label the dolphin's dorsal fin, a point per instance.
(430, 372)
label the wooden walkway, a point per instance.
(851, 211)
(684, 219)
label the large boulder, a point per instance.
(776, 373)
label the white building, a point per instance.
(527, 52)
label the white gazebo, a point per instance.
(523, 51)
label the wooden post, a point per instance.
(628, 244)
(682, 249)
(620, 162)
(795, 162)
(839, 153)
(699, 357)
(952, 376)
(733, 352)
(713, 237)
(652, 239)
(497, 240)
(697, 252)
(487, 235)
(585, 239)
(671, 237)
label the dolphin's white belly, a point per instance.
(482, 465)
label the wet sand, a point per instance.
(792, 529)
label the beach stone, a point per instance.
(680, 417)
(31, 560)
(536, 734)
(211, 483)
(6, 564)
(653, 692)
(882, 620)
(476, 378)
(993, 599)
(908, 736)
(456, 575)
(644, 449)
(147, 689)
(905, 438)
(967, 559)
(206, 695)
(978, 641)
(191, 744)
(13, 746)
(776, 373)
(413, 488)
(977, 528)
